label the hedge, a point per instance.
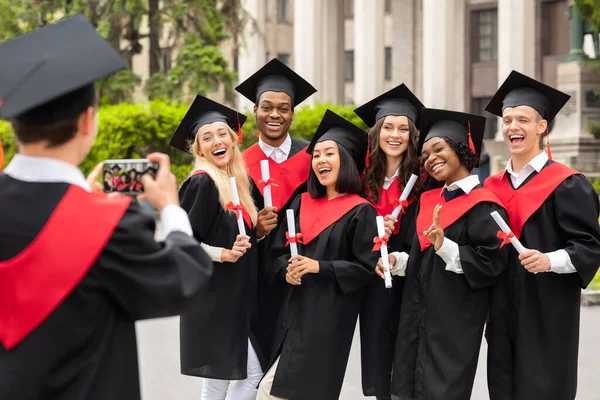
(134, 130)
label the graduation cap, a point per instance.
(397, 101)
(275, 76)
(344, 133)
(205, 111)
(48, 75)
(462, 127)
(115, 166)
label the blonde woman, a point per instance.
(215, 334)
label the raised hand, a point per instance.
(435, 233)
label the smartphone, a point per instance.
(125, 176)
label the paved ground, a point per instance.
(158, 342)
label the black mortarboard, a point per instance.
(397, 101)
(521, 90)
(452, 124)
(343, 132)
(204, 111)
(48, 75)
(275, 76)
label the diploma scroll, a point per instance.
(266, 176)
(384, 253)
(508, 232)
(292, 238)
(236, 202)
(405, 193)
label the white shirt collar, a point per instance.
(466, 184)
(285, 147)
(394, 176)
(537, 163)
(43, 169)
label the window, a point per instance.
(349, 66)
(388, 63)
(348, 8)
(388, 6)
(485, 35)
(284, 58)
(283, 11)
(478, 105)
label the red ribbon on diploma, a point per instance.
(403, 203)
(238, 209)
(294, 239)
(505, 237)
(261, 184)
(379, 242)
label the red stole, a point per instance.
(388, 200)
(527, 199)
(245, 214)
(36, 281)
(451, 211)
(288, 175)
(316, 215)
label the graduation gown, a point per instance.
(317, 318)
(380, 308)
(290, 176)
(214, 333)
(78, 298)
(443, 313)
(540, 324)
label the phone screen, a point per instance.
(125, 176)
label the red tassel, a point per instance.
(239, 132)
(258, 134)
(471, 144)
(548, 139)
(367, 159)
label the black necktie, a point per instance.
(452, 194)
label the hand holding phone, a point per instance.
(125, 176)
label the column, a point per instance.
(308, 43)
(405, 39)
(332, 59)
(444, 60)
(253, 54)
(516, 37)
(369, 53)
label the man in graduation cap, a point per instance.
(78, 268)
(553, 210)
(275, 90)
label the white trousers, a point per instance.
(264, 389)
(218, 389)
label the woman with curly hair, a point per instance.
(454, 263)
(394, 119)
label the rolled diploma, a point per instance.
(384, 253)
(236, 201)
(506, 229)
(405, 193)
(292, 231)
(264, 170)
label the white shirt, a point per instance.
(278, 154)
(387, 182)
(560, 262)
(42, 169)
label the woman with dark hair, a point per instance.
(132, 179)
(454, 263)
(393, 117)
(138, 186)
(336, 229)
(123, 186)
(108, 181)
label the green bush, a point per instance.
(134, 130)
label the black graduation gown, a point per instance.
(317, 319)
(214, 334)
(443, 313)
(380, 314)
(86, 347)
(270, 294)
(541, 311)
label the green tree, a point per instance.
(590, 10)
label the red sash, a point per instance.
(36, 281)
(388, 200)
(451, 211)
(288, 175)
(245, 214)
(527, 199)
(316, 215)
